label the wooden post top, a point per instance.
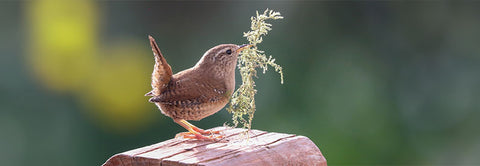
(261, 148)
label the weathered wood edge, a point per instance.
(262, 148)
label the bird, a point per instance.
(197, 92)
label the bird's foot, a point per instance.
(205, 132)
(196, 133)
(199, 136)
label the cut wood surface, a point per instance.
(261, 148)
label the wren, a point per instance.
(197, 92)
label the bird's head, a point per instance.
(223, 55)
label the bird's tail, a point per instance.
(162, 72)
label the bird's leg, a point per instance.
(197, 132)
(201, 131)
(196, 135)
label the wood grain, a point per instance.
(260, 148)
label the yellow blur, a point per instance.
(66, 56)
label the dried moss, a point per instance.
(242, 103)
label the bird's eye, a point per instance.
(229, 51)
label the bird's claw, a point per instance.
(189, 135)
(207, 132)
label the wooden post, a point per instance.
(261, 148)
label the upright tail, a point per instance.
(162, 72)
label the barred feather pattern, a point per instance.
(162, 72)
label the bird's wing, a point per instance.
(192, 92)
(162, 72)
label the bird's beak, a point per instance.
(243, 47)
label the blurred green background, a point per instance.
(371, 83)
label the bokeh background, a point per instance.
(371, 83)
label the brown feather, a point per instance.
(197, 92)
(162, 72)
(193, 97)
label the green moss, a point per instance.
(242, 103)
